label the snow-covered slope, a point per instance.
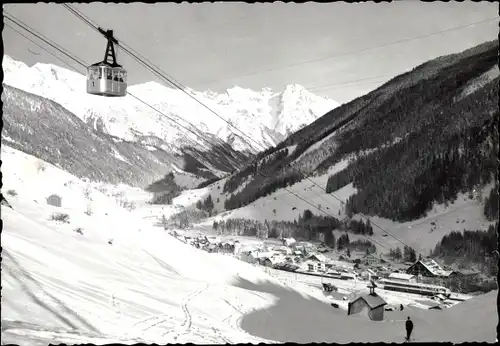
(66, 283)
(264, 116)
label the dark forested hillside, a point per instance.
(450, 148)
(164, 190)
(420, 138)
(264, 180)
(477, 248)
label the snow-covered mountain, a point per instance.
(265, 116)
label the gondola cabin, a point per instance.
(107, 78)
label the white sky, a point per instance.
(217, 46)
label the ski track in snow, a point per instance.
(234, 319)
(188, 319)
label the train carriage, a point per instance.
(416, 288)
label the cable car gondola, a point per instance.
(107, 78)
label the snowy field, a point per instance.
(105, 274)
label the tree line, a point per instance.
(164, 190)
(407, 255)
(265, 164)
(207, 182)
(307, 226)
(471, 248)
(207, 205)
(261, 187)
(183, 219)
(491, 204)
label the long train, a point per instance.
(416, 288)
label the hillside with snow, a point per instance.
(421, 234)
(387, 156)
(92, 271)
(265, 116)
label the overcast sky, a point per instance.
(328, 48)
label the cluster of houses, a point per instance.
(305, 257)
(209, 244)
(292, 255)
(298, 256)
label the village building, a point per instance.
(341, 265)
(310, 266)
(370, 305)
(213, 240)
(268, 246)
(370, 259)
(249, 257)
(245, 248)
(372, 275)
(304, 246)
(287, 267)
(211, 247)
(267, 262)
(334, 273)
(320, 262)
(288, 241)
(297, 259)
(365, 275)
(401, 277)
(54, 200)
(348, 276)
(261, 256)
(428, 268)
(272, 261)
(283, 250)
(323, 249)
(464, 273)
(317, 258)
(202, 239)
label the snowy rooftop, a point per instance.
(401, 276)
(435, 268)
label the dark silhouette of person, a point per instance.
(409, 328)
(401, 307)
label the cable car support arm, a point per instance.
(110, 49)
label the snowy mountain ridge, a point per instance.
(45, 129)
(265, 116)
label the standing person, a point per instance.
(409, 328)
